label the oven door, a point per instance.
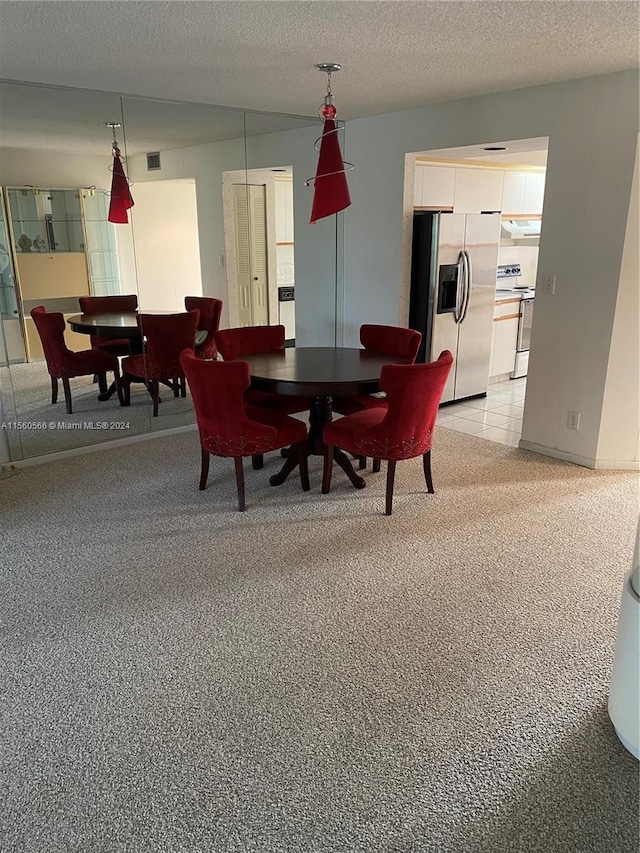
(524, 325)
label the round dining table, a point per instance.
(320, 373)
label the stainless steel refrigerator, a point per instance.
(453, 283)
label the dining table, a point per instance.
(322, 374)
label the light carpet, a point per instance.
(311, 676)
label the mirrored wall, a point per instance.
(220, 210)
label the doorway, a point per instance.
(499, 176)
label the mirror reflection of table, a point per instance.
(320, 373)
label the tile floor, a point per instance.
(498, 416)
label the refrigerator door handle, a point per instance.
(467, 285)
(457, 314)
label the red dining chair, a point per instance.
(402, 430)
(109, 305)
(210, 311)
(388, 340)
(65, 364)
(166, 335)
(253, 340)
(228, 427)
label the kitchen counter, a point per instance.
(504, 294)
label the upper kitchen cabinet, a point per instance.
(284, 211)
(523, 193)
(434, 186)
(478, 190)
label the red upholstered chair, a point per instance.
(166, 335)
(228, 427)
(109, 305)
(63, 363)
(388, 340)
(252, 340)
(210, 310)
(402, 430)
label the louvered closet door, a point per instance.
(251, 254)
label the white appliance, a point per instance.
(454, 262)
(507, 276)
(518, 228)
(624, 693)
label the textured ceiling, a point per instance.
(261, 55)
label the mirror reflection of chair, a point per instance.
(229, 427)
(253, 340)
(166, 336)
(209, 323)
(109, 305)
(402, 430)
(65, 364)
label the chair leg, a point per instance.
(257, 460)
(176, 387)
(118, 381)
(240, 483)
(183, 387)
(126, 389)
(304, 466)
(328, 469)
(362, 463)
(102, 383)
(67, 395)
(54, 389)
(376, 466)
(155, 393)
(204, 469)
(426, 464)
(391, 473)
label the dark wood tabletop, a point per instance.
(318, 371)
(123, 325)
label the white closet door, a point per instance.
(251, 254)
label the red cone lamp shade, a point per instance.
(330, 191)
(121, 199)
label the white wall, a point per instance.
(54, 170)
(205, 165)
(620, 432)
(592, 126)
(165, 237)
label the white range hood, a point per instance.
(518, 228)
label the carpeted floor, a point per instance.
(312, 676)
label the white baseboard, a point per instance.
(95, 448)
(584, 461)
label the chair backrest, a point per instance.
(168, 335)
(217, 389)
(210, 311)
(108, 304)
(413, 392)
(249, 340)
(50, 326)
(391, 340)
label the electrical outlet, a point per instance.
(549, 285)
(573, 420)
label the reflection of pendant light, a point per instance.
(121, 199)
(330, 191)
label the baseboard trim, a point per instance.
(584, 461)
(95, 448)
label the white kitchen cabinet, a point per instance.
(505, 337)
(523, 193)
(284, 211)
(477, 190)
(513, 192)
(434, 186)
(533, 192)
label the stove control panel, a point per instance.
(509, 271)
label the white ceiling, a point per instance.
(261, 54)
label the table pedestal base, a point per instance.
(321, 412)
